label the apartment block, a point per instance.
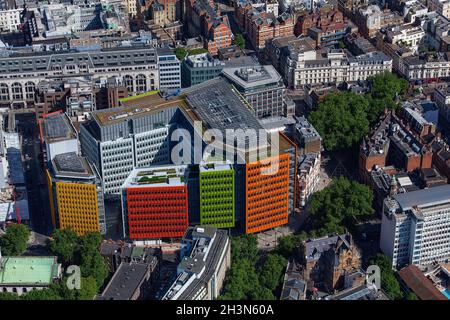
(308, 177)
(205, 19)
(326, 26)
(392, 143)
(440, 6)
(442, 98)
(10, 20)
(155, 203)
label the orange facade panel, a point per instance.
(157, 212)
(267, 194)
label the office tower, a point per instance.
(217, 195)
(76, 194)
(416, 227)
(155, 203)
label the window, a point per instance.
(17, 91)
(29, 90)
(141, 83)
(4, 92)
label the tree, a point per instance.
(65, 244)
(88, 289)
(389, 282)
(340, 206)
(341, 120)
(384, 89)
(180, 53)
(239, 40)
(14, 242)
(242, 281)
(411, 296)
(244, 247)
(272, 271)
(93, 265)
(287, 244)
(8, 296)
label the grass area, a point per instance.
(142, 95)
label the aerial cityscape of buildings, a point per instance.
(231, 150)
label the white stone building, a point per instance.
(416, 227)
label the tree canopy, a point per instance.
(389, 282)
(239, 40)
(246, 281)
(14, 242)
(181, 53)
(82, 251)
(384, 90)
(340, 206)
(64, 244)
(272, 271)
(341, 120)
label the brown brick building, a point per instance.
(326, 261)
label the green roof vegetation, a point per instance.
(142, 95)
(152, 180)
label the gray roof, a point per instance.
(315, 248)
(125, 281)
(72, 165)
(57, 127)
(254, 76)
(424, 197)
(219, 107)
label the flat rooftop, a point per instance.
(135, 108)
(156, 176)
(36, 271)
(57, 127)
(71, 165)
(255, 76)
(125, 281)
(424, 197)
(211, 167)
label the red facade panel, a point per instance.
(157, 212)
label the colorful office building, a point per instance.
(76, 194)
(267, 190)
(217, 195)
(155, 203)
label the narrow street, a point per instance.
(40, 217)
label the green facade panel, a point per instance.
(217, 198)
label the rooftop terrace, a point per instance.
(157, 176)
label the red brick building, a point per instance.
(267, 26)
(324, 25)
(204, 18)
(260, 25)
